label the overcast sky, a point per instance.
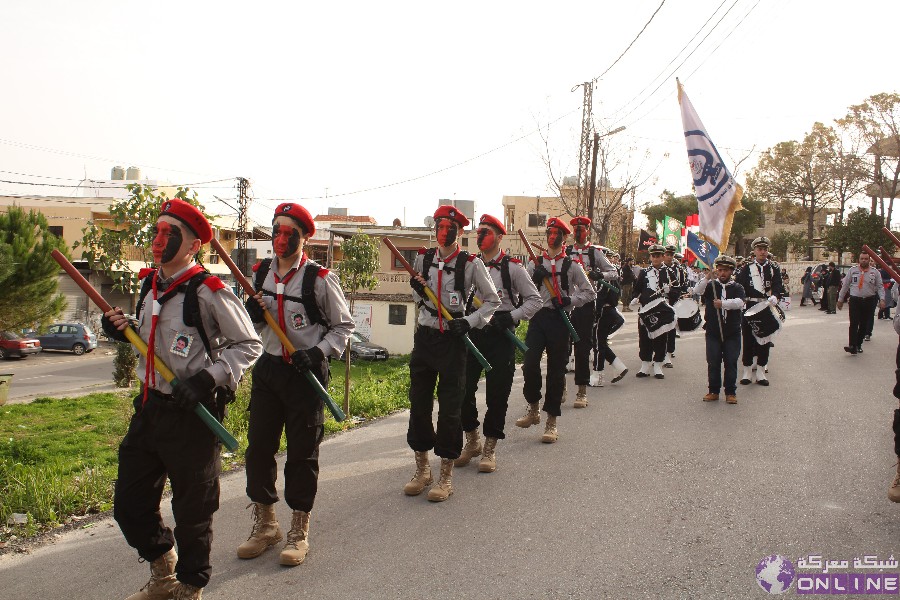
(307, 99)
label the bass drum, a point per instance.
(765, 321)
(657, 317)
(687, 311)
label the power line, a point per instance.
(632, 42)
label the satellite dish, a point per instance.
(429, 221)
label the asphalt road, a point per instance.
(649, 493)
(53, 373)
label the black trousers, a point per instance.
(546, 331)
(651, 350)
(897, 432)
(281, 399)
(670, 341)
(602, 352)
(163, 441)
(862, 314)
(753, 348)
(583, 321)
(500, 352)
(718, 352)
(437, 359)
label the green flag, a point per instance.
(672, 233)
(659, 232)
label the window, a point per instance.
(537, 220)
(56, 230)
(465, 242)
(409, 255)
(396, 314)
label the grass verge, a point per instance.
(58, 457)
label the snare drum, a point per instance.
(687, 311)
(657, 317)
(765, 321)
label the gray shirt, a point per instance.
(234, 345)
(580, 289)
(871, 284)
(522, 285)
(331, 339)
(475, 275)
(583, 256)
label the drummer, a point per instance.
(675, 277)
(761, 280)
(724, 301)
(650, 288)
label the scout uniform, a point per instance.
(163, 439)
(439, 352)
(519, 299)
(308, 303)
(676, 277)
(547, 331)
(865, 289)
(762, 283)
(723, 345)
(597, 267)
(607, 321)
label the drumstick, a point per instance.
(718, 312)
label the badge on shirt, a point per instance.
(298, 320)
(181, 345)
(500, 293)
(455, 300)
(855, 279)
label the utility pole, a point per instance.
(243, 186)
(590, 209)
(584, 150)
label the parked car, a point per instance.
(73, 337)
(363, 349)
(12, 344)
(821, 268)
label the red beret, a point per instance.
(580, 221)
(559, 224)
(190, 215)
(298, 214)
(451, 212)
(493, 222)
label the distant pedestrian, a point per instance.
(864, 287)
(832, 285)
(628, 278)
(808, 288)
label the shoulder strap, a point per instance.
(459, 272)
(146, 286)
(591, 257)
(191, 308)
(308, 293)
(564, 273)
(506, 281)
(427, 261)
(261, 273)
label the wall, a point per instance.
(398, 339)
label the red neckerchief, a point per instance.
(562, 254)
(495, 262)
(279, 294)
(579, 253)
(156, 307)
(441, 262)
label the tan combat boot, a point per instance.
(297, 545)
(422, 478)
(162, 579)
(265, 532)
(894, 492)
(470, 450)
(550, 434)
(488, 463)
(184, 591)
(581, 397)
(711, 397)
(531, 417)
(443, 489)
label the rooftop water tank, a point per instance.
(118, 173)
(133, 174)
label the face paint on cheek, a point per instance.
(446, 233)
(486, 239)
(554, 237)
(580, 234)
(167, 241)
(285, 240)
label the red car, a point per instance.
(12, 344)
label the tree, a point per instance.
(799, 172)
(877, 122)
(357, 270)
(785, 240)
(860, 227)
(28, 275)
(848, 169)
(109, 247)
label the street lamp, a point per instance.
(597, 136)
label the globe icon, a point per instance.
(775, 574)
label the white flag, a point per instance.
(718, 194)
